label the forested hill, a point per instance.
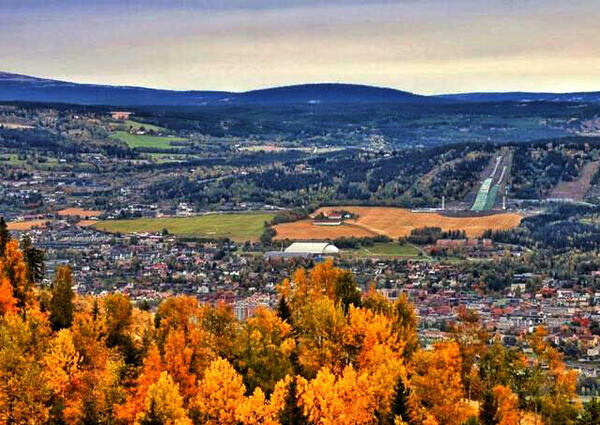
(331, 93)
(15, 87)
(576, 97)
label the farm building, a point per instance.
(313, 248)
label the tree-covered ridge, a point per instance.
(327, 354)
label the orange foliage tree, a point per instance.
(437, 383)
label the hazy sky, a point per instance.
(424, 46)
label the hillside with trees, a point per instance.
(327, 354)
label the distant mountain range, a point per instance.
(15, 87)
(576, 97)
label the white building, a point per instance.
(313, 248)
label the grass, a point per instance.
(138, 125)
(238, 227)
(126, 125)
(386, 249)
(135, 141)
(171, 157)
(13, 160)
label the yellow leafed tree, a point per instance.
(220, 392)
(508, 406)
(437, 383)
(344, 400)
(150, 374)
(163, 404)
(257, 410)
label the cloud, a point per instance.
(422, 46)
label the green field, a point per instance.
(145, 141)
(383, 249)
(138, 125)
(13, 160)
(171, 157)
(126, 125)
(237, 227)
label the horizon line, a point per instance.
(290, 85)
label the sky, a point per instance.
(423, 46)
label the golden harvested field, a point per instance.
(393, 222)
(79, 212)
(85, 223)
(304, 229)
(25, 225)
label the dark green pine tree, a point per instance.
(488, 409)
(4, 237)
(346, 291)
(292, 413)
(400, 402)
(34, 259)
(590, 414)
(61, 304)
(283, 310)
(151, 417)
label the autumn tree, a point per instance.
(119, 311)
(220, 328)
(473, 339)
(262, 350)
(507, 412)
(258, 410)
(403, 316)
(437, 383)
(61, 374)
(321, 326)
(136, 398)
(220, 392)
(179, 363)
(375, 349)
(61, 303)
(555, 384)
(14, 269)
(163, 404)
(8, 303)
(23, 395)
(343, 400)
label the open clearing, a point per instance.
(393, 222)
(304, 229)
(80, 212)
(577, 189)
(144, 141)
(14, 126)
(237, 227)
(26, 225)
(382, 249)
